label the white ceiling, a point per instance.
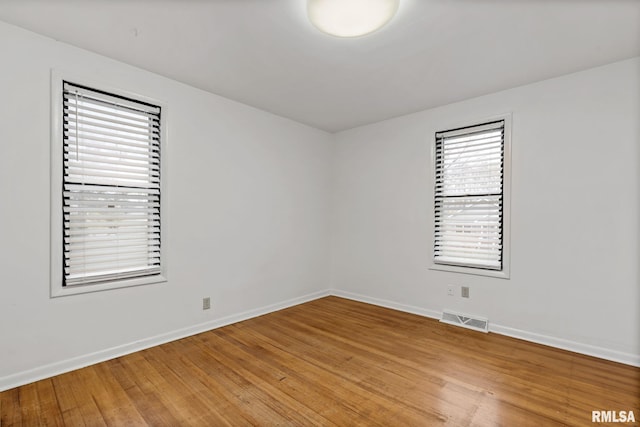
(266, 54)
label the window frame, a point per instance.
(57, 287)
(505, 272)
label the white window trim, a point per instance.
(56, 226)
(505, 273)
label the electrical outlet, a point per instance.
(451, 290)
(465, 292)
(206, 303)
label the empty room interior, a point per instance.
(320, 212)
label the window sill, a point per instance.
(61, 291)
(503, 274)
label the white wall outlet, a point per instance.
(451, 290)
(465, 292)
(206, 303)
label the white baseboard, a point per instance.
(576, 347)
(387, 304)
(57, 368)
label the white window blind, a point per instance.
(111, 187)
(469, 182)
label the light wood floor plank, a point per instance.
(332, 362)
(49, 407)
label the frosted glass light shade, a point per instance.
(351, 18)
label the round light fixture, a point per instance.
(351, 18)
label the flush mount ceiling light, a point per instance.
(351, 18)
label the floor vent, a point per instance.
(466, 321)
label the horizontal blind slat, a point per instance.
(466, 142)
(105, 142)
(97, 234)
(109, 100)
(498, 125)
(84, 120)
(150, 136)
(94, 192)
(110, 268)
(69, 104)
(81, 121)
(122, 169)
(112, 160)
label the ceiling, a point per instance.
(266, 54)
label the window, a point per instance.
(109, 193)
(471, 199)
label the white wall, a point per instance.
(248, 197)
(575, 213)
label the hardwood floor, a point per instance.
(332, 362)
